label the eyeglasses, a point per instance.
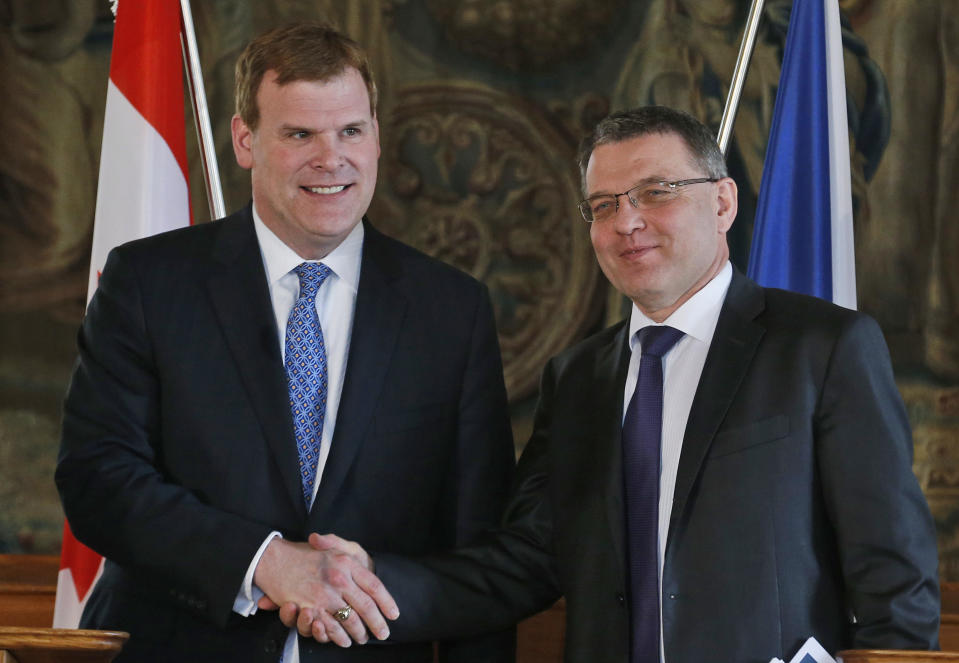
(642, 196)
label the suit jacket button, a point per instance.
(673, 597)
(621, 599)
(271, 646)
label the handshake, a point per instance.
(326, 589)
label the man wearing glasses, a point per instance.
(717, 478)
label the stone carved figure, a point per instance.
(48, 171)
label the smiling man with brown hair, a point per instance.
(282, 371)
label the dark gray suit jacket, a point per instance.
(795, 513)
(178, 456)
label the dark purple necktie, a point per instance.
(642, 436)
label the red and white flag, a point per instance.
(142, 191)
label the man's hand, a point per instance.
(311, 581)
(332, 542)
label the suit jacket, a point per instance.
(795, 513)
(178, 456)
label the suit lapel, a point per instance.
(380, 308)
(733, 346)
(241, 298)
(612, 363)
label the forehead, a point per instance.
(341, 97)
(615, 166)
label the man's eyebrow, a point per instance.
(299, 127)
(653, 179)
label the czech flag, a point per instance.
(803, 234)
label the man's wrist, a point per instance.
(249, 593)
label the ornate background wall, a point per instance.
(483, 104)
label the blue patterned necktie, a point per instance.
(642, 439)
(306, 372)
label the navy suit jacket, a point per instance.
(795, 514)
(178, 458)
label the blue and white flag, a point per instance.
(802, 236)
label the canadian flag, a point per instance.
(142, 190)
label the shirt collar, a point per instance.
(279, 259)
(696, 317)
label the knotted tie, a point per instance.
(306, 372)
(642, 436)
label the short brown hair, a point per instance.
(636, 122)
(299, 52)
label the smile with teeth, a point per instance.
(326, 189)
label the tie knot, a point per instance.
(657, 341)
(311, 275)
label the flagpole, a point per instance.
(739, 75)
(201, 114)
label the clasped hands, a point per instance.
(308, 582)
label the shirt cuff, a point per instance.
(249, 594)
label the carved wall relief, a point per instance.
(525, 34)
(488, 183)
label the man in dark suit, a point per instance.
(782, 502)
(181, 459)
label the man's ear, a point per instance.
(727, 203)
(242, 142)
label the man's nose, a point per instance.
(627, 218)
(326, 153)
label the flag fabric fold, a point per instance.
(803, 231)
(142, 190)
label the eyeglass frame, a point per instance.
(583, 205)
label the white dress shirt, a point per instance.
(335, 306)
(682, 368)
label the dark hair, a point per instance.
(299, 52)
(635, 122)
